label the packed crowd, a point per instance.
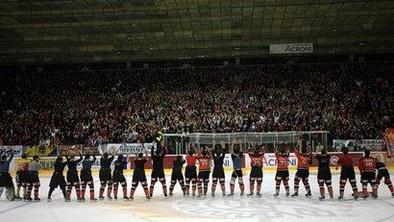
(352, 101)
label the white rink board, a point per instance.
(177, 208)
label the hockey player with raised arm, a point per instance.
(204, 170)
(118, 177)
(282, 170)
(139, 175)
(218, 170)
(324, 173)
(347, 173)
(158, 169)
(177, 175)
(237, 172)
(86, 177)
(256, 174)
(57, 178)
(105, 176)
(191, 172)
(72, 177)
(304, 161)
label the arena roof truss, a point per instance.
(41, 31)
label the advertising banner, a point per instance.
(125, 148)
(41, 151)
(16, 150)
(69, 149)
(292, 48)
(357, 145)
(92, 150)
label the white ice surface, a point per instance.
(177, 208)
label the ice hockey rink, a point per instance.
(178, 208)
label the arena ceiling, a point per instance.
(51, 31)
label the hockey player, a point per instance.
(383, 173)
(86, 177)
(256, 174)
(139, 176)
(282, 170)
(5, 177)
(105, 176)
(347, 172)
(218, 170)
(204, 169)
(304, 161)
(33, 179)
(119, 178)
(191, 172)
(57, 178)
(21, 176)
(158, 170)
(367, 167)
(177, 175)
(324, 173)
(72, 176)
(237, 172)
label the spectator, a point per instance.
(352, 101)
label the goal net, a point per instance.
(179, 143)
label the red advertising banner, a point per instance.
(70, 150)
(389, 139)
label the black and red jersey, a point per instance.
(256, 160)
(282, 161)
(367, 164)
